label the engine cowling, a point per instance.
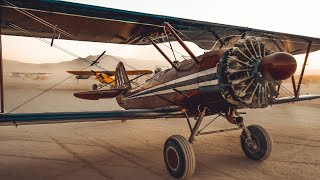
(249, 73)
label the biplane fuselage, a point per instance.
(104, 78)
(187, 87)
(194, 85)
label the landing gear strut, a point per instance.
(179, 155)
(256, 143)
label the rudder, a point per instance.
(122, 82)
(121, 77)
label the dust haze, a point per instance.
(20, 88)
(41, 77)
(103, 150)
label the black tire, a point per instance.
(262, 143)
(94, 87)
(179, 157)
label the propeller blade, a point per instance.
(96, 61)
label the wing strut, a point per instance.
(293, 85)
(303, 68)
(53, 35)
(1, 76)
(185, 47)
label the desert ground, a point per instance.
(133, 149)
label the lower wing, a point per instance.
(64, 117)
(284, 100)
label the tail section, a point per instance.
(122, 82)
(121, 78)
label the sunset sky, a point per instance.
(296, 17)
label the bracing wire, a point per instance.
(59, 29)
(66, 51)
(174, 55)
(287, 91)
(43, 92)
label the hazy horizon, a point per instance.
(310, 70)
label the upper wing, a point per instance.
(102, 24)
(87, 73)
(63, 117)
(138, 72)
(112, 73)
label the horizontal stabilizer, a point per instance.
(101, 94)
(283, 100)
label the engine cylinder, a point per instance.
(249, 74)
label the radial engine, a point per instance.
(249, 73)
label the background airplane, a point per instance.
(28, 75)
(105, 77)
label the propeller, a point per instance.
(97, 60)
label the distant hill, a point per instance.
(108, 63)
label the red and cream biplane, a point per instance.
(243, 68)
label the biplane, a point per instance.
(242, 68)
(105, 77)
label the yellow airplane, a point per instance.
(105, 77)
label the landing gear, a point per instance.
(94, 87)
(178, 153)
(258, 147)
(255, 141)
(179, 157)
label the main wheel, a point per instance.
(261, 145)
(94, 87)
(179, 157)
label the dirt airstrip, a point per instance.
(133, 149)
